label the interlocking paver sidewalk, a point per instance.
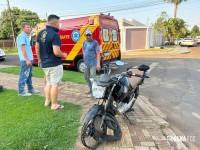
(144, 130)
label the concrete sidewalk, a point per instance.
(156, 52)
(143, 131)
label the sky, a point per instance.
(144, 11)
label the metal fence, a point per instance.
(6, 44)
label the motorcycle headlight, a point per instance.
(98, 91)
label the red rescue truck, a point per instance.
(105, 30)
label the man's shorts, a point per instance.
(53, 74)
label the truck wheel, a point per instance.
(80, 66)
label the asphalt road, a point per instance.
(173, 87)
(10, 60)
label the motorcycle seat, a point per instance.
(142, 67)
(135, 81)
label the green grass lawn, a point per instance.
(11, 51)
(72, 76)
(25, 124)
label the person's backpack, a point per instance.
(1, 88)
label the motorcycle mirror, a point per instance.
(119, 63)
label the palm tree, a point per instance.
(174, 28)
(176, 3)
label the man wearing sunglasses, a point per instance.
(91, 53)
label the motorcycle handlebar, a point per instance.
(140, 76)
(128, 74)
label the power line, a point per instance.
(118, 8)
(108, 9)
(135, 11)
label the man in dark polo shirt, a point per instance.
(49, 57)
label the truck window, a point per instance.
(33, 39)
(114, 35)
(106, 37)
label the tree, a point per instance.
(176, 4)
(18, 17)
(195, 31)
(158, 25)
(171, 28)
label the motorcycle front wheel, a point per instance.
(91, 133)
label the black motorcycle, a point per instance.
(116, 95)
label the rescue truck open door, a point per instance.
(110, 39)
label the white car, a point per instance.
(188, 42)
(2, 55)
(166, 42)
(198, 41)
(178, 41)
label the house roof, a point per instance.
(130, 22)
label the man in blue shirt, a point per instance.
(49, 57)
(91, 52)
(26, 60)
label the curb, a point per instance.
(188, 51)
(173, 50)
(155, 109)
(7, 66)
(165, 126)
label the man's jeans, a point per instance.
(25, 77)
(90, 72)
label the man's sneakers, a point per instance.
(89, 94)
(33, 91)
(30, 92)
(24, 94)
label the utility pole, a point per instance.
(46, 15)
(11, 21)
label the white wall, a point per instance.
(156, 39)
